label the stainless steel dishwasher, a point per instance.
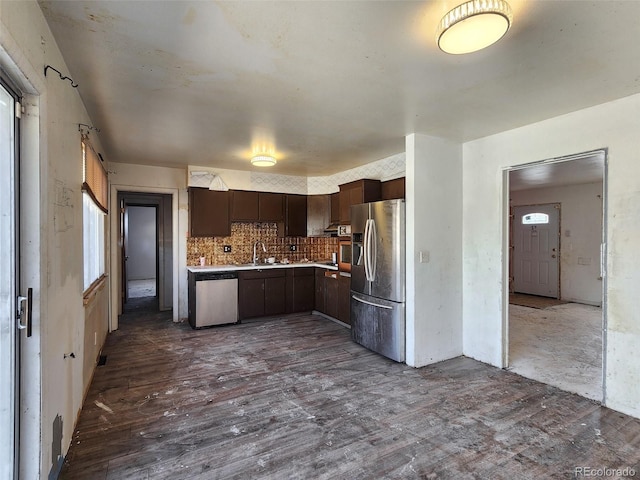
(216, 299)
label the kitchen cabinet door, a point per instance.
(318, 214)
(344, 299)
(271, 207)
(250, 297)
(354, 193)
(209, 213)
(335, 207)
(295, 224)
(319, 290)
(303, 289)
(244, 206)
(275, 295)
(393, 189)
(332, 284)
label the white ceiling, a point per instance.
(587, 168)
(329, 85)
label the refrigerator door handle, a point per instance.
(371, 303)
(365, 247)
(373, 250)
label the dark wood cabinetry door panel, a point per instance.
(318, 214)
(250, 297)
(303, 289)
(319, 290)
(209, 213)
(354, 193)
(344, 300)
(331, 295)
(274, 295)
(345, 205)
(244, 206)
(335, 207)
(393, 189)
(296, 216)
(271, 207)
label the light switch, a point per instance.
(423, 256)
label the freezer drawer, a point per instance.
(378, 325)
(216, 302)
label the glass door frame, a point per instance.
(14, 336)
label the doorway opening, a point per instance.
(146, 281)
(555, 322)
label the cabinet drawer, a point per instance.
(267, 273)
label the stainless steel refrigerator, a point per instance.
(378, 277)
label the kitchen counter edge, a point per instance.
(261, 266)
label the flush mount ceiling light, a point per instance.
(263, 161)
(473, 26)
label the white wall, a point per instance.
(141, 243)
(612, 125)
(52, 236)
(581, 234)
(434, 227)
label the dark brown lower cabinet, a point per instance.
(319, 290)
(332, 284)
(275, 291)
(300, 289)
(344, 299)
(261, 292)
(332, 294)
(274, 295)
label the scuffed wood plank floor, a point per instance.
(294, 398)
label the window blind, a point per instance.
(94, 180)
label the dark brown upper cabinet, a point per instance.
(335, 207)
(271, 207)
(354, 193)
(393, 189)
(209, 213)
(244, 206)
(295, 223)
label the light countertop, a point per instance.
(259, 266)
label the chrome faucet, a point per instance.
(255, 253)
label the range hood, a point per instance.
(337, 230)
(332, 229)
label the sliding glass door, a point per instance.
(9, 339)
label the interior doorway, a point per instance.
(146, 280)
(141, 247)
(555, 322)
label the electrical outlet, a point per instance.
(293, 248)
(226, 248)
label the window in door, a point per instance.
(535, 219)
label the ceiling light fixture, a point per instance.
(473, 26)
(263, 161)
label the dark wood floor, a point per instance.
(294, 398)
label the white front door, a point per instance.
(536, 249)
(9, 339)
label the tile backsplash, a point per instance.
(244, 235)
